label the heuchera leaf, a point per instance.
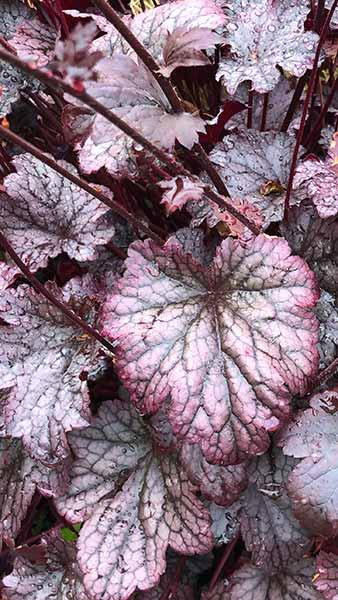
(312, 486)
(122, 545)
(262, 36)
(225, 524)
(35, 193)
(326, 578)
(213, 336)
(11, 81)
(320, 181)
(13, 12)
(316, 240)
(42, 358)
(135, 96)
(269, 529)
(57, 577)
(251, 583)
(183, 48)
(74, 61)
(327, 314)
(256, 165)
(34, 42)
(20, 477)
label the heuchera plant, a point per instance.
(168, 300)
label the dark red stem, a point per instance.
(305, 108)
(327, 373)
(264, 111)
(294, 102)
(75, 319)
(227, 551)
(173, 586)
(250, 107)
(311, 138)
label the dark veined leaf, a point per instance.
(183, 48)
(251, 583)
(42, 358)
(57, 577)
(312, 486)
(13, 12)
(210, 336)
(320, 183)
(20, 477)
(135, 96)
(34, 42)
(256, 166)
(264, 35)
(327, 314)
(11, 81)
(225, 524)
(270, 531)
(35, 192)
(326, 578)
(137, 504)
(316, 240)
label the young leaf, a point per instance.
(210, 336)
(320, 182)
(183, 48)
(123, 543)
(35, 193)
(58, 577)
(312, 485)
(257, 165)
(326, 578)
(263, 36)
(74, 61)
(42, 358)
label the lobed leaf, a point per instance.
(320, 182)
(183, 48)
(34, 42)
(326, 578)
(13, 12)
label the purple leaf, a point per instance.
(123, 543)
(316, 240)
(13, 12)
(251, 583)
(221, 484)
(210, 336)
(20, 478)
(74, 61)
(265, 36)
(34, 42)
(320, 182)
(183, 48)
(327, 315)
(326, 578)
(257, 165)
(58, 577)
(183, 592)
(312, 486)
(132, 92)
(42, 358)
(34, 193)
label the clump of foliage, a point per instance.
(168, 300)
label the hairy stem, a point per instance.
(91, 189)
(71, 316)
(305, 108)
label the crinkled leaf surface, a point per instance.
(42, 358)
(313, 484)
(316, 240)
(20, 477)
(256, 165)
(269, 529)
(183, 48)
(123, 543)
(35, 193)
(34, 42)
(251, 583)
(327, 314)
(262, 35)
(11, 81)
(221, 484)
(134, 95)
(320, 182)
(225, 524)
(56, 578)
(152, 26)
(13, 12)
(210, 337)
(326, 580)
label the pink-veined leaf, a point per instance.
(316, 240)
(320, 183)
(252, 583)
(34, 193)
(57, 577)
(34, 42)
(20, 477)
(326, 578)
(222, 485)
(183, 48)
(76, 123)
(264, 35)
(123, 543)
(42, 358)
(256, 166)
(312, 485)
(210, 336)
(13, 12)
(134, 95)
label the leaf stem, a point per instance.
(53, 164)
(295, 99)
(318, 124)
(71, 316)
(264, 111)
(227, 551)
(250, 107)
(327, 372)
(308, 96)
